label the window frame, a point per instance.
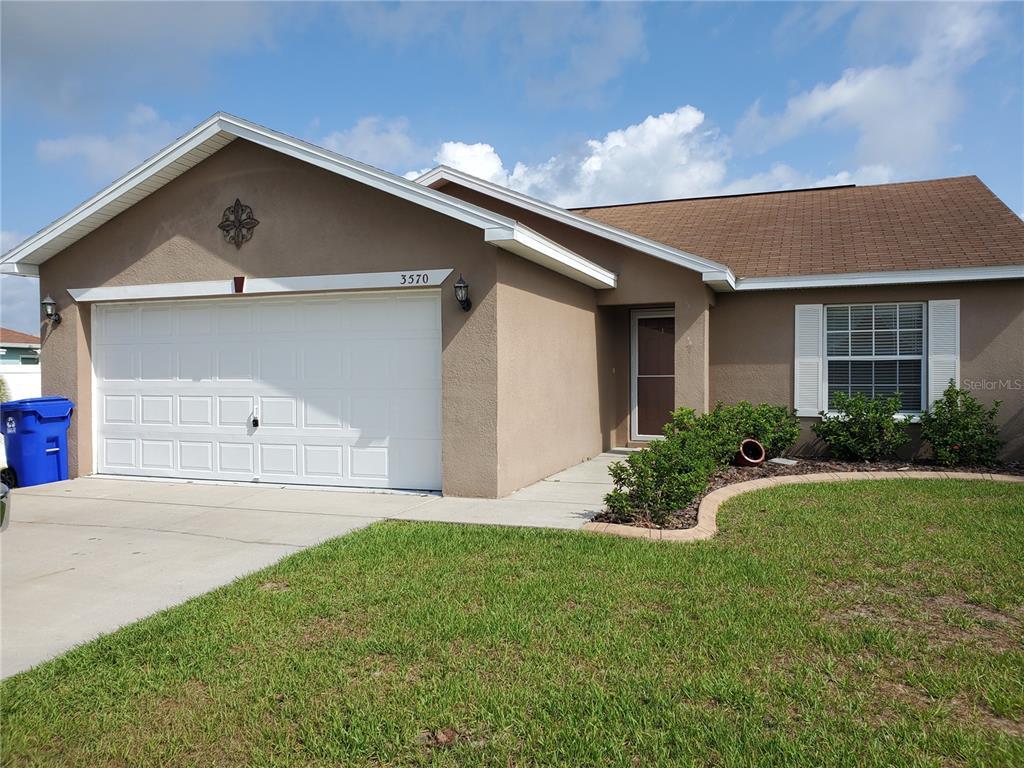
(922, 356)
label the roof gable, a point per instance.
(715, 274)
(220, 130)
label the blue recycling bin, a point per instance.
(36, 438)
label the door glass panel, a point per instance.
(655, 342)
(655, 379)
(654, 399)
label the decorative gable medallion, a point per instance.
(237, 223)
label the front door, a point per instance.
(653, 371)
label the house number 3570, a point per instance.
(415, 278)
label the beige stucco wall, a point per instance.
(311, 222)
(643, 281)
(751, 355)
(549, 399)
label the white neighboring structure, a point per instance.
(19, 367)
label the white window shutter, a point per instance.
(808, 362)
(943, 346)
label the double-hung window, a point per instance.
(878, 350)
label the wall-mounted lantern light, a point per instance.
(50, 310)
(462, 293)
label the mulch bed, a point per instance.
(687, 517)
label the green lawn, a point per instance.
(869, 623)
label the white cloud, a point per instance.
(675, 154)
(19, 296)
(671, 154)
(108, 157)
(900, 114)
(379, 142)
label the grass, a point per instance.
(857, 624)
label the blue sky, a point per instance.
(578, 104)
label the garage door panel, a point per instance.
(324, 412)
(279, 459)
(119, 409)
(278, 319)
(119, 452)
(195, 410)
(196, 455)
(156, 322)
(278, 362)
(157, 454)
(236, 457)
(120, 323)
(367, 364)
(195, 363)
(118, 363)
(236, 363)
(234, 411)
(324, 461)
(278, 412)
(195, 322)
(157, 410)
(234, 319)
(157, 363)
(352, 400)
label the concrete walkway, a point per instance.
(86, 556)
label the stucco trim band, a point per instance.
(707, 513)
(422, 278)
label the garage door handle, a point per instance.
(255, 422)
(52, 450)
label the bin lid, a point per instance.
(45, 407)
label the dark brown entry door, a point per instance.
(653, 364)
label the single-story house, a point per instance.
(248, 306)
(19, 369)
(19, 363)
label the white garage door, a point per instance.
(346, 389)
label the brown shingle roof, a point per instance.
(936, 224)
(11, 336)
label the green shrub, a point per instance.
(653, 482)
(864, 429)
(667, 475)
(961, 430)
(5, 393)
(774, 426)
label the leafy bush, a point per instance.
(653, 482)
(667, 475)
(864, 429)
(961, 430)
(774, 426)
(5, 394)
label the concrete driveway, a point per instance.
(84, 557)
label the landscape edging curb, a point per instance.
(707, 513)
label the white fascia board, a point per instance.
(236, 127)
(18, 268)
(907, 277)
(575, 220)
(531, 245)
(719, 280)
(419, 278)
(155, 164)
(366, 174)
